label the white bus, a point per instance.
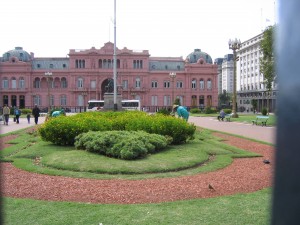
(131, 105)
(97, 105)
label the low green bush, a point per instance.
(195, 110)
(210, 110)
(228, 111)
(264, 111)
(121, 144)
(63, 130)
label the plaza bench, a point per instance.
(228, 117)
(260, 120)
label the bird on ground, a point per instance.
(266, 161)
(210, 187)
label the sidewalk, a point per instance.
(266, 134)
(12, 126)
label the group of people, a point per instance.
(17, 114)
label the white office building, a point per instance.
(250, 81)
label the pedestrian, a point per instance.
(222, 115)
(17, 114)
(28, 117)
(6, 112)
(181, 112)
(36, 113)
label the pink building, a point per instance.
(85, 74)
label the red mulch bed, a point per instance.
(244, 175)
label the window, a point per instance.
(79, 63)
(167, 100)
(37, 100)
(93, 84)
(13, 83)
(64, 83)
(63, 100)
(64, 66)
(80, 100)
(154, 100)
(209, 86)
(125, 84)
(137, 64)
(201, 84)
(21, 83)
(51, 66)
(5, 83)
(80, 83)
(179, 84)
(36, 83)
(137, 82)
(52, 100)
(38, 65)
(154, 84)
(166, 84)
(193, 83)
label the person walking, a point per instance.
(36, 113)
(28, 117)
(181, 112)
(6, 112)
(17, 114)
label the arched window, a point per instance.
(209, 84)
(137, 82)
(64, 83)
(80, 83)
(21, 83)
(100, 65)
(201, 84)
(5, 83)
(13, 83)
(193, 83)
(37, 83)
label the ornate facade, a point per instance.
(85, 74)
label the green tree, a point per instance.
(177, 101)
(267, 67)
(224, 98)
(254, 104)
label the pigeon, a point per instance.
(210, 187)
(266, 161)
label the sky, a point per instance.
(167, 28)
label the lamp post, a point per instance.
(172, 76)
(234, 45)
(48, 75)
(84, 94)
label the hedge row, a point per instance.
(63, 130)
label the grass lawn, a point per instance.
(244, 118)
(179, 160)
(250, 209)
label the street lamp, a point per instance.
(172, 76)
(48, 75)
(234, 45)
(84, 94)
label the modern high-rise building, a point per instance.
(85, 74)
(227, 73)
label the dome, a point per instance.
(18, 53)
(198, 57)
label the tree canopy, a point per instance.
(267, 67)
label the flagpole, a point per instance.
(115, 61)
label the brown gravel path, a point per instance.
(242, 176)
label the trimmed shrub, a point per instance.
(195, 110)
(121, 144)
(63, 130)
(227, 111)
(264, 111)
